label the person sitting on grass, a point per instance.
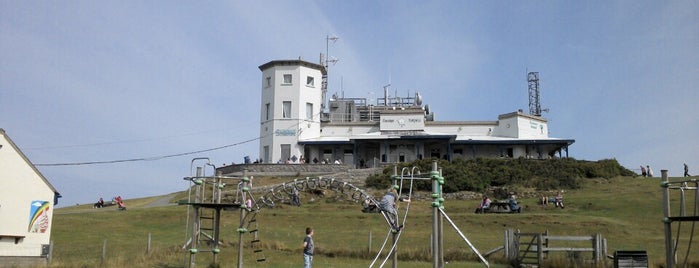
(558, 200)
(514, 207)
(388, 207)
(484, 206)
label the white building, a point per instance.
(293, 123)
(27, 200)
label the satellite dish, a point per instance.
(418, 99)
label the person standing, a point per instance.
(650, 171)
(308, 247)
(686, 170)
(643, 171)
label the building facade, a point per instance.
(27, 200)
(294, 126)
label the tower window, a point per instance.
(266, 111)
(286, 111)
(310, 81)
(309, 111)
(287, 79)
(268, 81)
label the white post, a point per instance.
(104, 250)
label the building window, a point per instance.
(286, 109)
(269, 81)
(266, 111)
(287, 79)
(309, 111)
(309, 81)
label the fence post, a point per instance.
(148, 245)
(370, 242)
(104, 250)
(506, 246)
(50, 257)
(539, 249)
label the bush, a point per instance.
(481, 173)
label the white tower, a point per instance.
(290, 108)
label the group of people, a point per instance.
(116, 200)
(486, 203)
(303, 160)
(556, 200)
(646, 171)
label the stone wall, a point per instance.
(283, 169)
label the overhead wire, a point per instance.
(154, 158)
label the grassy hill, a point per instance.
(626, 211)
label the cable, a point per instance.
(295, 126)
(124, 141)
(146, 158)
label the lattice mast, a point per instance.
(534, 98)
(325, 60)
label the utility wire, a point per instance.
(154, 158)
(146, 158)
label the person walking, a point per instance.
(308, 247)
(650, 171)
(686, 170)
(643, 171)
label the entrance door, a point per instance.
(286, 152)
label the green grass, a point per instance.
(627, 212)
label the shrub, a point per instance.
(481, 173)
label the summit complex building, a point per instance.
(296, 126)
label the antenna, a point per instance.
(534, 97)
(325, 60)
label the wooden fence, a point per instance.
(533, 248)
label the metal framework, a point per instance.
(204, 214)
(534, 104)
(683, 186)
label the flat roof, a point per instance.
(298, 62)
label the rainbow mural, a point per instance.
(39, 216)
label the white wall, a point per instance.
(279, 130)
(20, 186)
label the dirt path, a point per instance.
(162, 201)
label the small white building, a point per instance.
(295, 123)
(27, 200)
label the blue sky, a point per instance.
(84, 81)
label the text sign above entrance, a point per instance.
(402, 122)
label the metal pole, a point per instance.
(216, 198)
(217, 222)
(394, 254)
(195, 219)
(440, 223)
(666, 220)
(434, 174)
(241, 227)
